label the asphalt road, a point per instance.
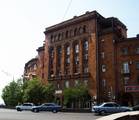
(8, 114)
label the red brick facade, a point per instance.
(87, 49)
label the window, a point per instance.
(68, 60)
(102, 55)
(76, 69)
(126, 67)
(137, 65)
(67, 70)
(76, 59)
(35, 66)
(58, 71)
(137, 50)
(86, 82)
(104, 83)
(58, 86)
(52, 38)
(85, 45)
(68, 50)
(77, 48)
(59, 36)
(59, 54)
(76, 82)
(103, 68)
(108, 105)
(81, 30)
(84, 28)
(85, 70)
(85, 56)
(52, 73)
(75, 31)
(67, 84)
(126, 80)
(67, 34)
(51, 52)
(124, 51)
(70, 33)
(59, 50)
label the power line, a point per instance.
(67, 9)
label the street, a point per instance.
(8, 114)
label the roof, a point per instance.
(74, 20)
(31, 61)
(128, 39)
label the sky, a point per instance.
(22, 23)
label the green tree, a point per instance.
(49, 93)
(75, 97)
(36, 92)
(12, 93)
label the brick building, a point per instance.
(30, 69)
(93, 50)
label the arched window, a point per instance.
(67, 50)
(76, 48)
(51, 38)
(67, 34)
(67, 55)
(75, 31)
(84, 29)
(85, 45)
(59, 36)
(81, 30)
(85, 56)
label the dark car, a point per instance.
(136, 107)
(109, 107)
(47, 107)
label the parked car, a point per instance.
(25, 106)
(109, 107)
(136, 107)
(47, 107)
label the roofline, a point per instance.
(33, 59)
(40, 49)
(86, 16)
(115, 19)
(127, 39)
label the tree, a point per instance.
(49, 93)
(75, 97)
(12, 93)
(36, 92)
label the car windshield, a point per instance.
(100, 104)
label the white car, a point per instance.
(25, 106)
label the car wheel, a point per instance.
(18, 109)
(102, 112)
(54, 111)
(35, 110)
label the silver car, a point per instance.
(25, 106)
(109, 107)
